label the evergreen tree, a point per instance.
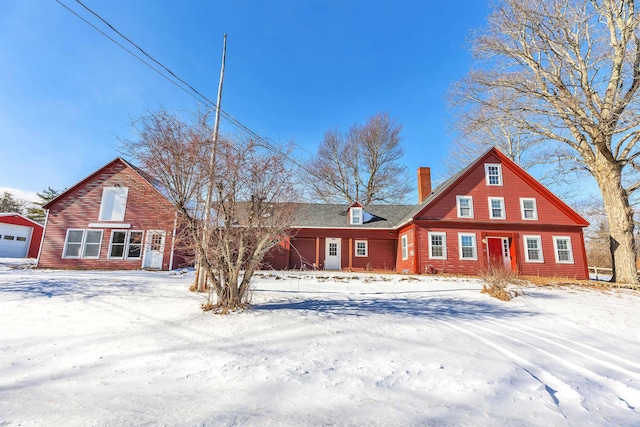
(36, 212)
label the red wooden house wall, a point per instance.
(79, 207)
(306, 249)
(554, 218)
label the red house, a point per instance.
(20, 237)
(113, 219)
(491, 212)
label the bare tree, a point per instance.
(362, 165)
(478, 128)
(250, 212)
(571, 70)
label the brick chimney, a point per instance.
(424, 183)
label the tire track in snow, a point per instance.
(627, 395)
(615, 362)
(562, 395)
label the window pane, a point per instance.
(92, 244)
(94, 236)
(135, 244)
(117, 251)
(72, 250)
(75, 236)
(118, 236)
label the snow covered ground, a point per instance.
(133, 348)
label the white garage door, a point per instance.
(14, 240)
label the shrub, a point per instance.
(497, 279)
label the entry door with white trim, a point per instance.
(154, 249)
(332, 253)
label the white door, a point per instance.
(14, 240)
(332, 254)
(154, 249)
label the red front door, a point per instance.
(495, 248)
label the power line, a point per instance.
(190, 90)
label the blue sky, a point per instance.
(294, 70)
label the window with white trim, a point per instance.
(562, 249)
(533, 249)
(82, 243)
(465, 206)
(528, 208)
(467, 246)
(361, 248)
(114, 203)
(493, 173)
(437, 245)
(404, 243)
(356, 216)
(496, 208)
(125, 244)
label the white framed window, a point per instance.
(82, 243)
(356, 216)
(465, 206)
(467, 246)
(362, 249)
(533, 249)
(562, 249)
(496, 208)
(114, 203)
(528, 208)
(493, 173)
(404, 243)
(125, 244)
(437, 245)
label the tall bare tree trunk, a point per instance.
(620, 218)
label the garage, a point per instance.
(14, 241)
(19, 236)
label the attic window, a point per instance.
(493, 172)
(355, 215)
(114, 203)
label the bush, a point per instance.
(497, 279)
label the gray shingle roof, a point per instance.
(335, 215)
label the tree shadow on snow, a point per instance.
(435, 307)
(89, 288)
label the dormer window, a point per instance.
(493, 173)
(355, 215)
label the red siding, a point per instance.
(36, 234)
(308, 248)
(514, 187)
(408, 265)
(454, 265)
(146, 210)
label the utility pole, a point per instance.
(201, 276)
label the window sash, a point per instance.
(437, 245)
(493, 173)
(529, 209)
(361, 248)
(465, 206)
(113, 204)
(563, 250)
(356, 216)
(80, 243)
(496, 208)
(468, 248)
(125, 244)
(533, 249)
(404, 241)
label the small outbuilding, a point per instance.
(20, 237)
